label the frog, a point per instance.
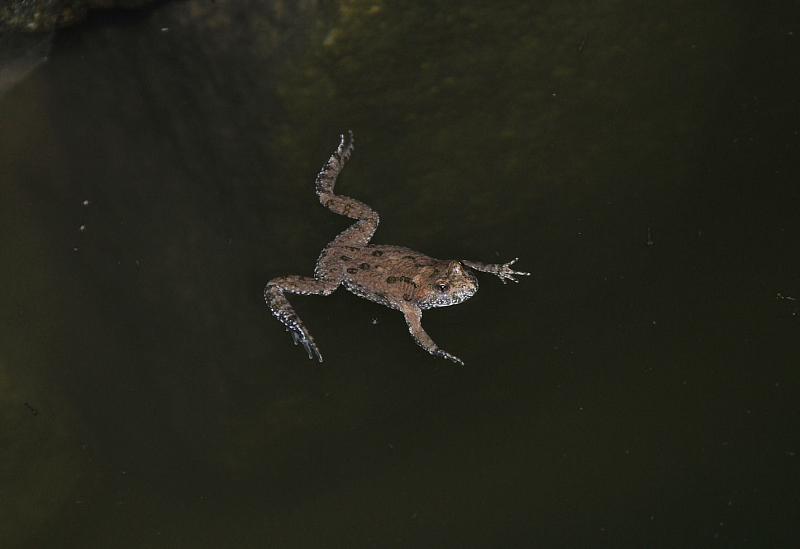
(394, 276)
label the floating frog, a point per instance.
(393, 276)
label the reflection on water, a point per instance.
(20, 53)
(638, 390)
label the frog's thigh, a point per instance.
(305, 285)
(360, 232)
(332, 263)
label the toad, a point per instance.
(394, 276)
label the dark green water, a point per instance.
(639, 390)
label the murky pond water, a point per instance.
(639, 390)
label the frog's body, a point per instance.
(394, 276)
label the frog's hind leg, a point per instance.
(359, 233)
(283, 311)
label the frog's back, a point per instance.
(386, 274)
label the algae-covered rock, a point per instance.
(46, 15)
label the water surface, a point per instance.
(640, 389)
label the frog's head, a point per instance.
(454, 286)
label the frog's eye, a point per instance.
(443, 286)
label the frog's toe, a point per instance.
(507, 273)
(308, 345)
(452, 358)
(511, 274)
(312, 350)
(455, 359)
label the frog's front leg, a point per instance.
(413, 315)
(504, 270)
(282, 310)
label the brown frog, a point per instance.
(394, 276)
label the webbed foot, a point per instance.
(282, 310)
(307, 342)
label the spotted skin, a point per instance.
(396, 277)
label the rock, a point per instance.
(46, 15)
